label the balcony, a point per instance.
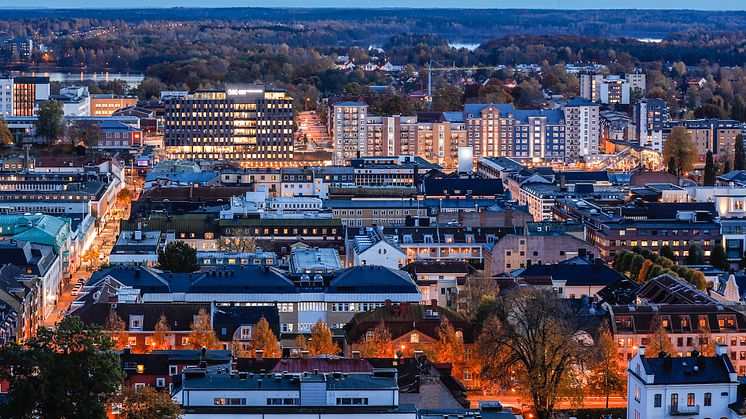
(684, 410)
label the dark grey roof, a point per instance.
(681, 370)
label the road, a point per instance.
(518, 403)
(104, 240)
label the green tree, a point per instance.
(667, 252)
(719, 259)
(710, 170)
(321, 341)
(680, 148)
(148, 403)
(607, 375)
(636, 265)
(202, 334)
(178, 257)
(447, 99)
(739, 161)
(49, 122)
(69, 372)
(6, 138)
(530, 343)
(695, 257)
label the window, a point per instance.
(245, 332)
(229, 401)
(160, 382)
(690, 399)
(708, 399)
(173, 370)
(278, 401)
(674, 401)
(658, 400)
(352, 401)
(637, 393)
(414, 338)
(136, 322)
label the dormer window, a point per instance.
(245, 332)
(135, 322)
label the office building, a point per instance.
(20, 96)
(107, 104)
(251, 125)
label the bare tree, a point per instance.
(532, 343)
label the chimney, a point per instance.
(641, 350)
(203, 352)
(721, 349)
(304, 354)
(355, 354)
(259, 354)
(127, 351)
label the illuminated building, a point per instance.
(248, 124)
(19, 95)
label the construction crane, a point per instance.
(430, 69)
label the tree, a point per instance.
(667, 252)
(264, 339)
(148, 403)
(447, 99)
(6, 138)
(149, 88)
(376, 343)
(65, 373)
(636, 265)
(178, 257)
(321, 341)
(84, 133)
(705, 342)
(300, 343)
(161, 341)
(658, 341)
(91, 255)
(241, 241)
(719, 259)
(710, 171)
(644, 271)
(739, 161)
(449, 347)
(124, 197)
(476, 289)
(202, 334)
(49, 122)
(530, 343)
(671, 167)
(115, 327)
(695, 257)
(681, 148)
(607, 375)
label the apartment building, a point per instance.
(612, 89)
(716, 135)
(348, 122)
(649, 117)
(582, 121)
(249, 124)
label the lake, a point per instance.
(132, 79)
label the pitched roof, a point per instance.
(321, 363)
(689, 369)
(582, 274)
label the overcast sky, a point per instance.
(547, 4)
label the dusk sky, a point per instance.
(548, 4)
